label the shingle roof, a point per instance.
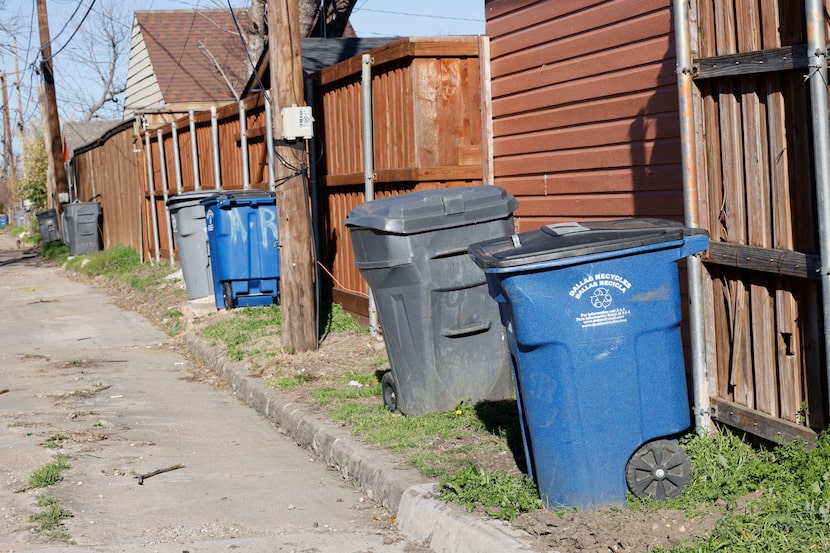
(177, 42)
(79, 133)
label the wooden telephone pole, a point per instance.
(9, 167)
(49, 110)
(296, 250)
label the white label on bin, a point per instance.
(598, 291)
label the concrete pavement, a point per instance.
(122, 397)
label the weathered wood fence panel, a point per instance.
(757, 201)
(427, 133)
(111, 169)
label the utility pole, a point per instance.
(19, 108)
(49, 109)
(296, 251)
(9, 168)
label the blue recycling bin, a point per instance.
(592, 314)
(244, 247)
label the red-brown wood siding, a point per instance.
(585, 109)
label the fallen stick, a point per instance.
(141, 477)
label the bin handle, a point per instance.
(465, 330)
(383, 264)
(449, 252)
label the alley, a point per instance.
(111, 391)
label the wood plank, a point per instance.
(409, 174)
(759, 424)
(759, 225)
(749, 63)
(788, 343)
(767, 260)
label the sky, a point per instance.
(72, 29)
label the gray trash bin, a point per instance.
(441, 327)
(47, 220)
(81, 227)
(188, 220)
(20, 218)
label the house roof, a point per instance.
(80, 133)
(319, 53)
(182, 45)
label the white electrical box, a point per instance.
(297, 123)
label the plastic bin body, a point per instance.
(244, 248)
(20, 218)
(440, 325)
(594, 333)
(4, 221)
(188, 222)
(81, 227)
(48, 222)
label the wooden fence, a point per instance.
(427, 110)
(110, 170)
(757, 200)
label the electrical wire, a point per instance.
(78, 28)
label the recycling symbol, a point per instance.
(601, 298)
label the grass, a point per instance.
(774, 499)
(501, 495)
(55, 441)
(48, 474)
(238, 332)
(50, 518)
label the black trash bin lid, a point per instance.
(571, 240)
(236, 197)
(428, 210)
(193, 197)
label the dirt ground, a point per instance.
(601, 531)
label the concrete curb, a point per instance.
(380, 474)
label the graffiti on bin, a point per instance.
(239, 232)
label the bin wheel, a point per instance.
(390, 395)
(227, 295)
(658, 470)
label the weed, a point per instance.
(49, 519)
(292, 381)
(55, 251)
(503, 496)
(790, 512)
(49, 473)
(239, 331)
(55, 441)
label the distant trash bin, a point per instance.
(82, 227)
(187, 217)
(20, 218)
(4, 221)
(440, 326)
(48, 222)
(244, 247)
(593, 314)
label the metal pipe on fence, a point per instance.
(269, 141)
(152, 185)
(243, 144)
(214, 142)
(694, 266)
(368, 160)
(177, 162)
(165, 195)
(817, 75)
(194, 150)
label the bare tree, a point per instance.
(101, 46)
(330, 21)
